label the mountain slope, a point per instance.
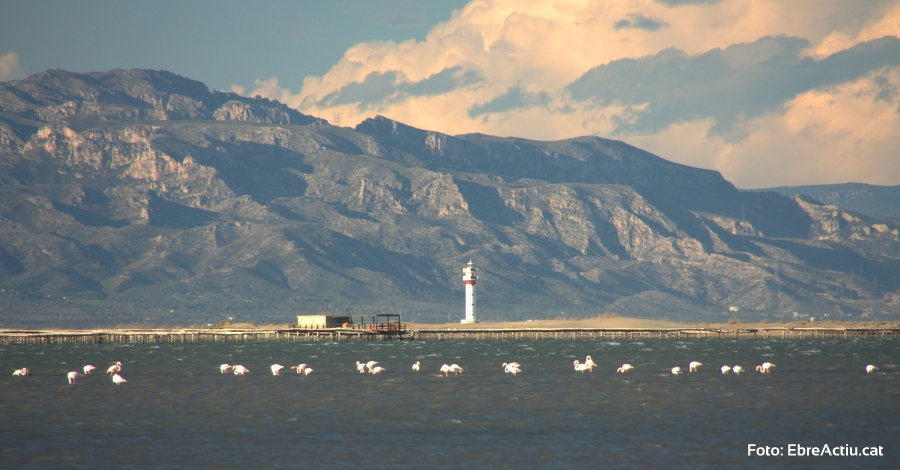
(872, 200)
(128, 195)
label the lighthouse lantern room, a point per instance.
(470, 277)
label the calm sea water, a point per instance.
(177, 410)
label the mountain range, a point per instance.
(869, 199)
(140, 196)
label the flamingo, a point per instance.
(692, 367)
(276, 368)
(580, 367)
(737, 370)
(625, 368)
(371, 364)
(72, 377)
(307, 371)
(224, 368)
(726, 369)
(417, 365)
(764, 367)
(360, 367)
(377, 370)
(589, 363)
(299, 368)
(446, 370)
(88, 369)
(511, 368)
(117, 379)
(676, 370)
(870, 368)
(114, 368)
(456, 369)
(22, 372)
(239, 370)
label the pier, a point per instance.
(399, 331)
(649, 333)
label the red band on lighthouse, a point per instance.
(471, 282)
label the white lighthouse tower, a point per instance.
(470, 277)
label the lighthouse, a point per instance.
(470, 277)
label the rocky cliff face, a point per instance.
(129, 195)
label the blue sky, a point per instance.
(220, 43)
(766, 92)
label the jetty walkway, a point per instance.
(401, 332)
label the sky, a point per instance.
(768, 92)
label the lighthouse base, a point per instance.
(465, 320)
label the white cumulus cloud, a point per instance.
(766, 92)
(10, 68)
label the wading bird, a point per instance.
(371, 364)
(239, 370)
(764, 367)
(726, 369)
(624, 368)
(676, 370)
(737, 369)
(417, 366)
(276, 369)
(446, 370)
(870, 368)
(589, 363)
(692, 367)
(72, 377)
(22, 372)
(307, 370)
(299, 368)
(224, 368)
(117, 379)
(114, 368)
(456, 369)
(580, 367)
(360, 367)
(377, 370)
(512, 367)
(88, 369)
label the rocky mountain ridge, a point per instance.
(871, 200)
(128, 195)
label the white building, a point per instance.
(470, 277)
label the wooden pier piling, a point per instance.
(152, 336)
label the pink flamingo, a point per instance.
(276, 368)
(580, 367)
(72, 377)
(88, 369)
(114, 368)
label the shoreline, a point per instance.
(588, 323)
